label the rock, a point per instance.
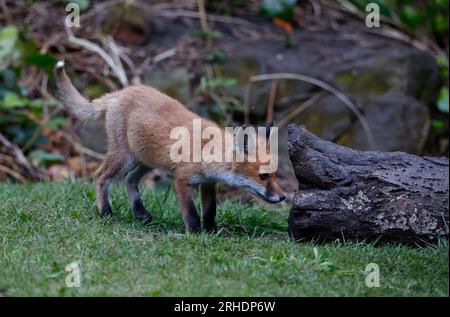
(406, 71)
(388, 84)
(329, 117)
(93, 136)
(398, 123)
(174, 82)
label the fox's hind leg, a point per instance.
(184, 194)
(132, 184)
(115, 165)
(209, 205)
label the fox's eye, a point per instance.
(264, 176)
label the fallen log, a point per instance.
(366, 195)
(13, 163)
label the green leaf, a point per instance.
(411, 16)
(442, 103)
(222, 82)
(215, 83)
(271, 8)
(316, 253)
(206, 34)
(440, 24)
(83, 4)
(282, 9)
(43, 157)
(8, 79)
(217, 56)
(437, 124)
(39, 103)
(8, 39)
(44, 61)
(442, 61)
(13, 100)
(56, 123)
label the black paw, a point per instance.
(193, 227)
(106, 212)
(210, 227)
(145, 217)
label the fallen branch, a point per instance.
(303, 107)
(366, 195)
(12, 173)
(26, 170)
(113, 61)
(196, 15)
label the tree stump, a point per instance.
(366, 195)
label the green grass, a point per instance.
(45, 226)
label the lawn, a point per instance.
(46, 226)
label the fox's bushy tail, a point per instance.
(77, 105)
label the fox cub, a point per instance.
(139, 120)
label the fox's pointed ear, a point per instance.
(245, 138)
(269, 127)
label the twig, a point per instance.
(247, 103)
(297, 97)
(13, 12)
(202, 15)
(169, 53)
(204, 22)
(320, 84)
(392, 30)
(79, 147)
(113, 62)
(6, 12)
(348, 7)
(137, 71)
(308, 103)
(211, 17)
(402, 37)
(18, 156)
(13, 173)
(105, 80)
(44, 85)
(118, 53)
(316, 8)
(101, 7)
(271, 102)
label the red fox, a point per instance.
(138, 121)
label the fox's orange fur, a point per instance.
(138, 121)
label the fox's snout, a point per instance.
(273, 198)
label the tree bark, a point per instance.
(366, 195)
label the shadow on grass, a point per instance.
(234, 219)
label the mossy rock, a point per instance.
(173, 82)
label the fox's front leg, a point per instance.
(184, 192)
(209, 205)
